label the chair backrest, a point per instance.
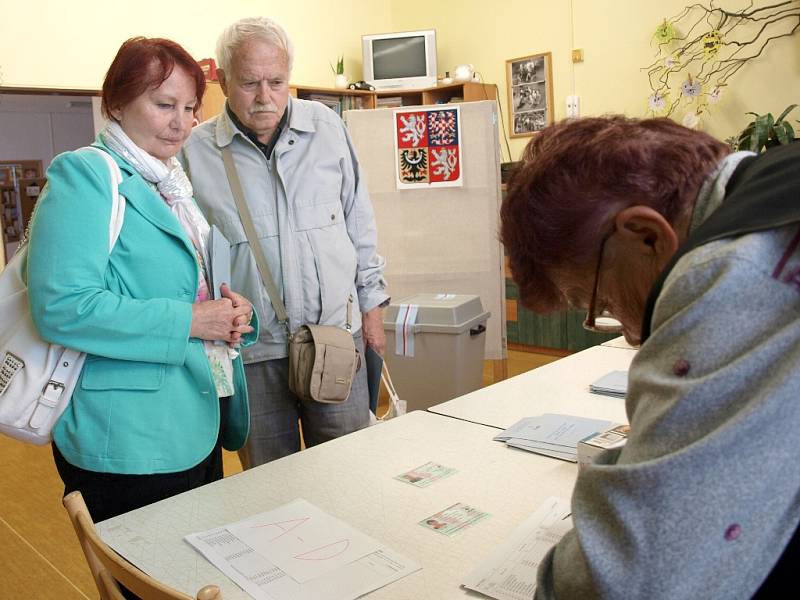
(109, 569)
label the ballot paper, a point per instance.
(612, 384)
(509, 572)
(300, 533)
(552, 435)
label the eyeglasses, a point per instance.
(602, 322)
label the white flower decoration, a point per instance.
(657, 102)
(691, 120)
(691, 89)
(715, 95)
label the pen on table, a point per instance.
(566, 516)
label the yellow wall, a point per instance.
(53, 43)
(56, 43)
(615, 36)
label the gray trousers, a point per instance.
(276, 414)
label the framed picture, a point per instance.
(530, 93)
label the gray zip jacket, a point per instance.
(312, 214)
(706, 494)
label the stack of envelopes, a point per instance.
(612, 384)
(552, 434)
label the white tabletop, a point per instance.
(559, 387)
(619, 343)
(352, 479)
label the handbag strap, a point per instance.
(252, 238)
(52, 392)
(394, 409)
(117, 200)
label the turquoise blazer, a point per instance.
(145, 401)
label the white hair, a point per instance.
(261, 28)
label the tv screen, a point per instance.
(400, 60)
(400, 57)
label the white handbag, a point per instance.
(37, 378)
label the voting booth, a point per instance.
(436, 237)
(435, 345)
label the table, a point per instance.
(559, 387)
(352, 479)
(619, 343)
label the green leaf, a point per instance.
(781, 135)
(785, 132)
(763, 125)
(789, 109)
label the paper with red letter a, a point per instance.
(303, 541)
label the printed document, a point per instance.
(260, 577)
(509, 573)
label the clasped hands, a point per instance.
(226, 319)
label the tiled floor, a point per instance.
(40, 558)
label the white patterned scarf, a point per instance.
(170, 180)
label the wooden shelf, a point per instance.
(442, 94)
(214, 99)
(16, 205)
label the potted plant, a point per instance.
(765, 131)
(339, 80)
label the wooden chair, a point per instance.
(109, 569)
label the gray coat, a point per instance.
(312, 214)
(706, 494)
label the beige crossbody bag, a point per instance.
(322, 358)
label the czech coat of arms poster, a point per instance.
(428, 147)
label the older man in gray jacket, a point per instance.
(314, 222)
(696, 252)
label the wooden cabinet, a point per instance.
(214, 99)
(560, 333)
(440, 94)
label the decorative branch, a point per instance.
(703, 46)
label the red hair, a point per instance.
(575, 176)
(142, 64)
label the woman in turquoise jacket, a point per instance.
(157, 397)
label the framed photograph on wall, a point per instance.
(530, 93)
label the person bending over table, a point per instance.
(695, 251)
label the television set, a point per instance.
(405, 60)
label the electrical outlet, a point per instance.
(573, 106)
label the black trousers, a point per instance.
(110, 494)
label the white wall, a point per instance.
(34, 127)
(40, 127)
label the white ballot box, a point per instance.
(435, 347)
